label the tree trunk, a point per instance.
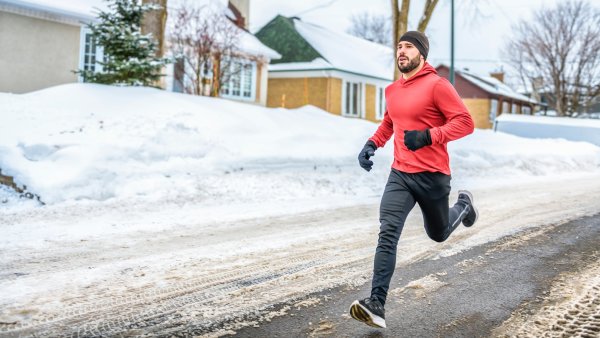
(154, 23)
(399, 27)
(216, 82)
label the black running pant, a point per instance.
(402, 191)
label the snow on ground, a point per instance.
(185, 210)
(572, 129)
(91, 142)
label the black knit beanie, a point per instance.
(419, 40)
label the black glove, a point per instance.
(367, 151)
(417, 139)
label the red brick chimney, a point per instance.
(498, 75)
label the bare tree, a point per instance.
(400, 21)
(558, 51)
(372, 27)
(205, 44)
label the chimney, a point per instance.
(498, 75)
(243, 8)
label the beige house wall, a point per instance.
(261, 83)
(480, 111)
(45, 57)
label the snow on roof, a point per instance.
(494, 86)
(316, 64)
(71, 11)
(345, 52)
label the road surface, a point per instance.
(209, 277)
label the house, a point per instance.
(42, 44)
(44, 41)
(486, 97)
(339, 73)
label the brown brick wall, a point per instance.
(480, 111)
(297, 92)
(370, 102)
(335, 96)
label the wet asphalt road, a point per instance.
(476, 290)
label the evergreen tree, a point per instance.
(129, 57)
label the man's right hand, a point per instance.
(367, 152)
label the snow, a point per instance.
(91, 142)
(550, 120)
(205, 208)
(573, 129)
(88, 8)
(316, 64)
(340, 50)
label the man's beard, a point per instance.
(410, 66)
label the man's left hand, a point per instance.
(417, 139)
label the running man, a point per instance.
(424, 113)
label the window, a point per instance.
(353, 99)
(247, 81)
(493, 110)
(505, 107)
(240, 80)
(90, 53)
(381, 106)
(515, 108)
(526, 110)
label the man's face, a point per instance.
(408, 57)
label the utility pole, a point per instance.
(452, 42)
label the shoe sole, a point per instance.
(362, 314)
(468, 193)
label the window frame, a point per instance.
(493, 110)
(97, 53)
(243, 63)
(381, 105)
(505, 107)
(358, 100)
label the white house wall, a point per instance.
(264, 80)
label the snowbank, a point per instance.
(93, 142)
(586, 130)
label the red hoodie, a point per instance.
(425, 100)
